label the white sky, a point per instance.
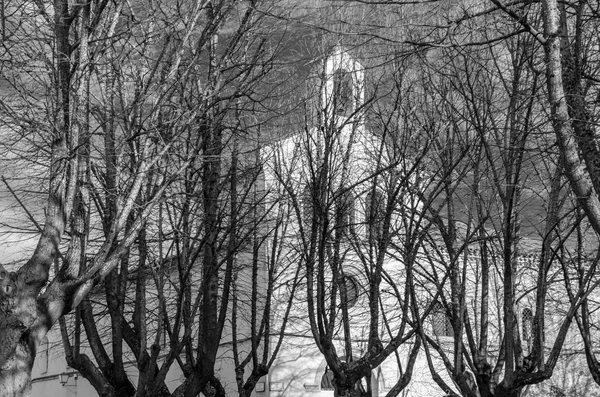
(14, 244)
(16, 238)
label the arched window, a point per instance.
(352, 290)
(440, 321)
(327, 380)
(374, 215)
(342, 92)
(527, 325)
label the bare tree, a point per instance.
(217, 199)
(495, 97)
(352, 177)
(150, 99)
(571, 78)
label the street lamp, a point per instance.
(63, 378)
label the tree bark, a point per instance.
(24, 320)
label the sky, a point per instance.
(16, 238)
(15, 245)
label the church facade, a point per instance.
(330, 179)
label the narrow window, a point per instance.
(374, 215)
(527, 324)
(345, 212)
(440, 321)
(342, 92)
(307, 207)
(352, 290)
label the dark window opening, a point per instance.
(342, 92)
(307, 207)
(375, 214)
(527, 324)
(352, 290)
(327, 380)
(440, 321)
(345, 213)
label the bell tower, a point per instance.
(342, 93)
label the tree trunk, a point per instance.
(15, 373)
(502, 391)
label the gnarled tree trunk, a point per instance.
(25, 316)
